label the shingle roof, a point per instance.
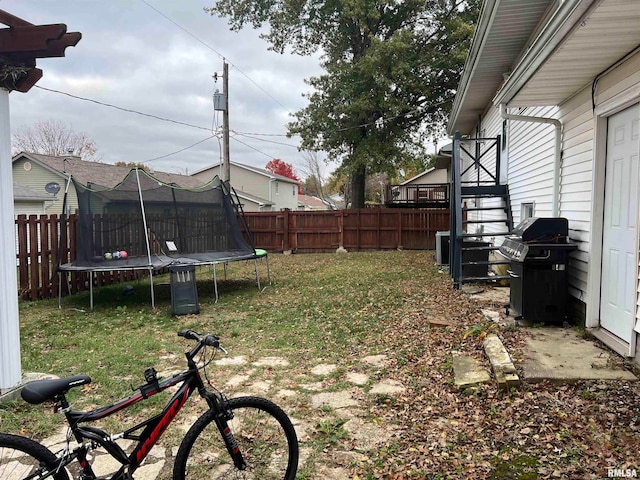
(104, 174)
(20, 192)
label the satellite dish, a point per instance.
(52, 187)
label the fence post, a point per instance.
(286, 245)
(399, 213)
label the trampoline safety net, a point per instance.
(145, 223)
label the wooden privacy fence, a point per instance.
(37, 252)
(38, 241)
(362, 229)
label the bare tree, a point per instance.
(52, 137)
(313, 171)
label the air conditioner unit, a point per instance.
(442, 248)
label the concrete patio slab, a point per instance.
(563, 355)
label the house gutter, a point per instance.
(557, 162)
(566, 19)
(487, 16)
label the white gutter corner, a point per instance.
(557, 163)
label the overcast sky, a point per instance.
(136, 58)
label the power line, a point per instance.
(128, 110)
(179, 151)
(264, 140)
(215, 51)
(252, 148)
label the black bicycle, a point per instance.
(243, 437)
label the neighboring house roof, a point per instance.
(312, 202)
(443, 157)
(260, 171)
(104, 174)
(539, 52)
(254, 198)
(337, 201)
(26, 194)
(426, 172)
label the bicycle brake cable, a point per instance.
(205, 364)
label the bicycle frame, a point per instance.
(153, 428)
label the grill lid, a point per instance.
(542, 230)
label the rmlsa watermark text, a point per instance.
(622, 473)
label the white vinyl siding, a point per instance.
(36, 178)
(531, 160)
(257, 184)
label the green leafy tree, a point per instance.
(391, 73)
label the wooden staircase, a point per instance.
(480, 211)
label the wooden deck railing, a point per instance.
(419, 195)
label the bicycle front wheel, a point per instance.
(22, 458)
(265, 436)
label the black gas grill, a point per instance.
(538, 251)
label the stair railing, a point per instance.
(456, 237)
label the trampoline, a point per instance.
(145, 224)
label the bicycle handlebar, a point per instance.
(208, 340)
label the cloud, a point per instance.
(133, 57)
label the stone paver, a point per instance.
(335, 400)
(467, 371)
(324, 369)
(366, 435)
(387, 387)
(239, 360)
(503, 368)
(376, 360)
(357, 378)
(237, 380)
(271, 362)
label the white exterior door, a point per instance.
(619, 240)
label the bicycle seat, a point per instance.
(40, 391)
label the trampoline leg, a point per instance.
(215, 281)
(91, 290)
(255, 266)
(266, 258)
(60, 289)
(153, 298)
(225, 270)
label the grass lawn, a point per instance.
(335, 310)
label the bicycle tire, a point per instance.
(20, 457)
(265, 436)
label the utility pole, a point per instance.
(221, 103)
(226, 166)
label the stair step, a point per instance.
(484, 190)
(492, 234)
(485, 279)
(480, 249)
(503, 220)
(488, 262)
(485, 209)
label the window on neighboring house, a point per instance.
(527, 210)
(277, 187)
(293, 192)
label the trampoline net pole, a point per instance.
(144, 220)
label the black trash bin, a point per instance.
(539, 254)
(184, 291)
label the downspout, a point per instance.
(557, 163)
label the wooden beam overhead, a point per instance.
(22, 43)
